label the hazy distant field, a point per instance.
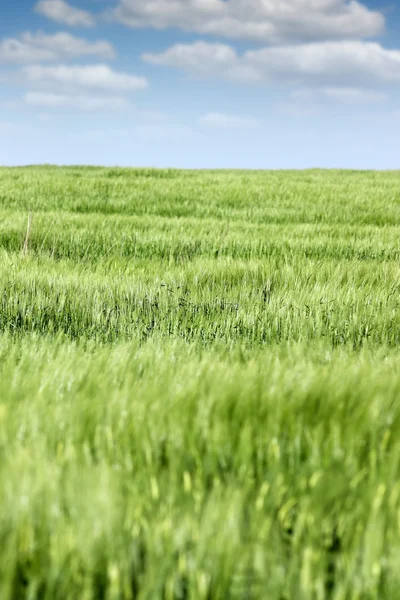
(199, 385)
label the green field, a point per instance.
(199, 385)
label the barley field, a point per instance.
(199, 384)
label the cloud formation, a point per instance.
(86, 103)
(62, 12)
(272, 21)
(39, 47)
(225, 121)
(198, 57)
(100, 77)
(335, 64)
(348, 95)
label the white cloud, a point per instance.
(341, 62)
(272, 21)
(355, 95)
(207, 60)
(100, 77)
(341, 95)
(199, 57)
(86, 103)
(62, 12)
(224, 121)
(39, 47)
(333, 64)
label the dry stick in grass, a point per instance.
(109, 250)
(47, 233)
(28, 232)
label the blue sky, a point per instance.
(200, 83)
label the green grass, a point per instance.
(199, 385)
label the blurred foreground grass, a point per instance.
(199, 385)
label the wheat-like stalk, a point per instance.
(28, 233)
